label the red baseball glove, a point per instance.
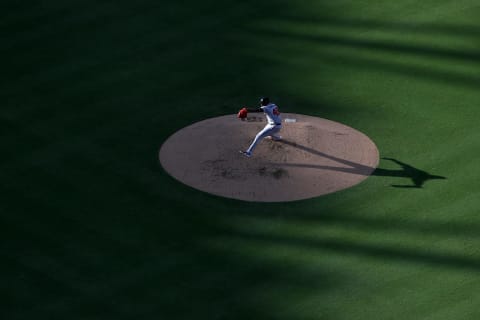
(242, 114)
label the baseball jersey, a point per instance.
(272, 114)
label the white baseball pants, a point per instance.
(269, 130)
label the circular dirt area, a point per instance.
(314, 157)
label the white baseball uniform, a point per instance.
(274, 124)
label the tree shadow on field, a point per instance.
(417, 176)
(365, 249)
(431, 28)
(350, 47)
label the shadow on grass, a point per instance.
(353, 45)
(417, 176)
(104, 234)
(391, 253)
(428, 28)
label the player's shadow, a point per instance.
(418, 177)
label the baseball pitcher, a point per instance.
(273, 127)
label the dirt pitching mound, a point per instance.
(314, 157)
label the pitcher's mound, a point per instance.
(315, 157)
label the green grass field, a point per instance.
(94, 228)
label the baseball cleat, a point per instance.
(246, 153)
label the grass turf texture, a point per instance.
(94, 228)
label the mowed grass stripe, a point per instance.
(105, 52)
(104, 260)
(89, 176)
(41, 24)
(90, 88)
(398, 248)
(109, 138)
(383, 286)
(404, 296)
(82, 66)
(373, 41)
(23, 17)
(70, 279)
(393, 60)
(391, 292)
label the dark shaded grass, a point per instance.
(94, 228)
